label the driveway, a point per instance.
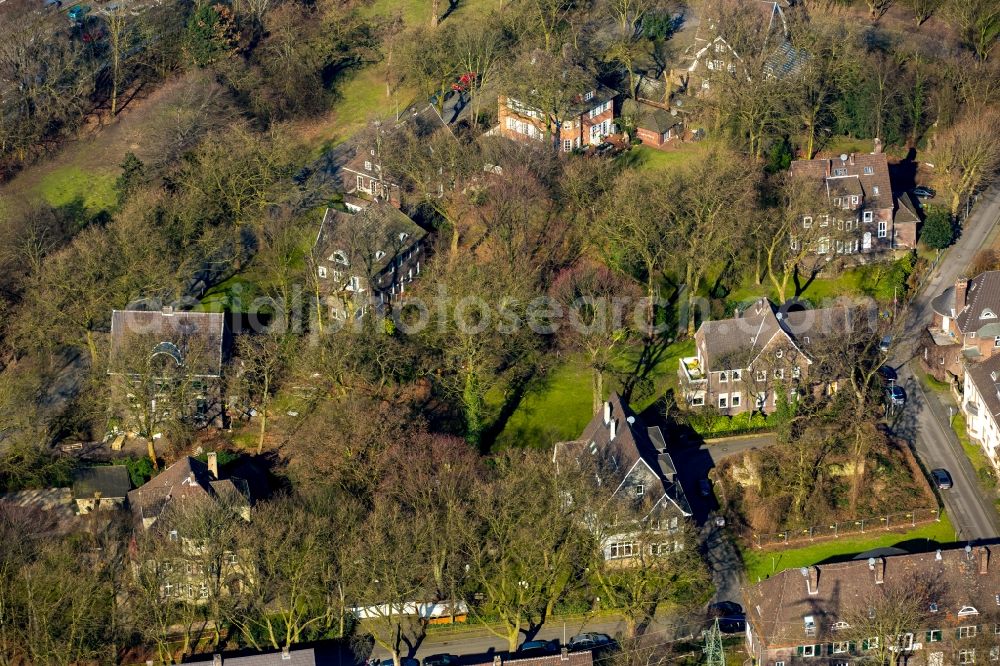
(924, 419)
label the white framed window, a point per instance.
(807, 222)
(723, 402)
(866, 217)
(779, 663)
(589, 95)
(933, 636)
(823, 246)
(840, 224)
(809, 650)
(875, 190)
(796, 372)
(659, 549)
(840, 172)
(640, 490)
(705, 85)
(322, 271)
(723, 377)
(698, 400)
(173, 535)
(967, 656)
(836, 202)
(841, 647)
(869, 171)
(965, 611)
(793, 242)
(968, 631)
(203, 591)
(779, 373)
(567, 145)
(620, 549)
(761, 375)
(854, 200)
(995, 653)
(368, 165)
(882, 229)
(737, 375)
(168, 589)
(734, 399)
(362, 183)
(871, 643)
(824, 220)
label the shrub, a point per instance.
(938, 231)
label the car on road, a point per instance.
(443, 659)
(896, 395)
(924, 192)
(888, 374)
(705, 487)
(538, 648)
(941, 477)
(589, 641)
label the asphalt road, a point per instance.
(924, 419)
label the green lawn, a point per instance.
(71, 183)
(761, 564)
(863, 280)
(644, 157)
(559, 407)
(975, 454)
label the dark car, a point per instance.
(538, 648)
(730, 616)
(888, 374)
(896, 395)
(440, 660)
(924, 192)
(885, 344)
(589, 641)
(942, 479)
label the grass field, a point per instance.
(762, 564)
(71, 183)
(644, 157)
(560, 405)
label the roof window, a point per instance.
(967, 610)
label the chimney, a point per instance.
(984, 560)
(213, 464)
(614, 429)
(878, 566)
(852, 159)
(812, 581)
(167, 310)
(827, 168)
(497, 661)
(878, 146)
(285, 654)
(216, 660)
(564, 654)
(607, 413)
(961, 289)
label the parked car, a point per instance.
(588, 641)
(538, 648)
(924, 192)
(730, 616)
(440, 660)
(885, 344)
(942, 479)
(896, 395)
(888, 374)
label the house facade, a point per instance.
(965, 328)
(367, 258)
(862, 217)
(100, 488)
(588, 120)
(758, 358)
(981, 406)
(655, 124)
(830, 613)
(170, 362)
(632, 458)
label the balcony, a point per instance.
(691, 370)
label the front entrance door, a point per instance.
(866, 241)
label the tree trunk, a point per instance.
(151, 452)
(435, 17)
(263, 427)
(692, 297)
(598, 388)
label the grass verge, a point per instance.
(984, 469)
(761, 564)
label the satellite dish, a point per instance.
(630, 420)
(843, 157)
(871, 562)
(805, 572)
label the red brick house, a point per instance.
(965, 327)
(804, 616)
(586, 123)
(748, 362)
(866, 219)
(655, 125)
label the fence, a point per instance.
(893, 521)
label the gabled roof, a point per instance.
(110, 481)
(370, 238)
(424, 123)
(650, 117)
(188, 479)
(295, 657)
(850, 176)
(633, 444)
(582, 658)
(985, 376)
(952, 579)
(906, 211)
(981, 298)
(185, 336)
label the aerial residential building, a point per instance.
(965, 328)
(804, 616)
(632, 458)
(366, 258)
(749, 362)
(100, 488)
(981, 406)
(861, 215)
(588, 120)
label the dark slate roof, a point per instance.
(776, 607)
(906, 211)
(786, 59)
(650, 117)
(986, 378)
(182, 335)
(362, 236)
(424, 123)
(107, 481)
(187, 479)
(983, 294)
(943, 302)
(633, 442)
(299, 657)
(824, 170)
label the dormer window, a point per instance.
(965, 611)
(379, 254)
(340, 257)
(840, 625)
(640, 490)
(987, 314)
(403, 236)
(810, 625)
(869, 171)
(368, 165)
(589, 95)
(840, 172)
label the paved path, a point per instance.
(924, 420)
